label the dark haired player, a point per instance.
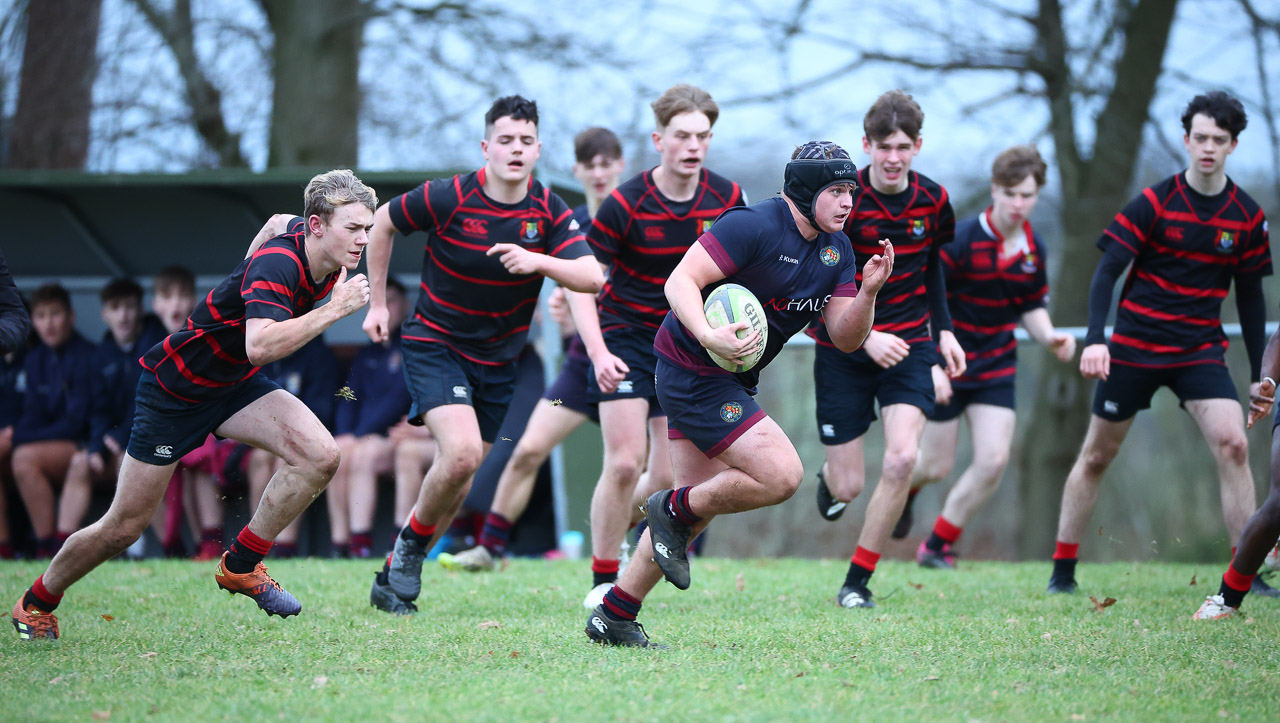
(1187, 237)
(995, 270)
(729, 455)
(641, 232)
(492, 235)
(204, 379)
(563, 407)
(913, 326)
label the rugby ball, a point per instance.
(729, 304)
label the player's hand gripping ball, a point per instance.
(729, 304)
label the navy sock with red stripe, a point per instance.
(620, 604)
(1235, 585)
(497, 529)
(247, 550)
(417, 533)
(678, 507)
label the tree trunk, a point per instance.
(59, 63)
(316, 103)
(1093, 191)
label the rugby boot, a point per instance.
(34, 624)
(855, 596)
(404, 568)
(1063, 585)
(607, 630)
(477, 559)
(1262, 589)
(1214, 608)
(829, 507)
(943, 559)
(382, 597)
(670, 539)
(258, 586)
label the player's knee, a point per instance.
(323, 459)
(991, 467)
(898, 465)
(624, 468)
(25, 463)
(1234, 449)
(462, 462)
(928, 471)
(527, 457)
(1095, 459)
(788, 481)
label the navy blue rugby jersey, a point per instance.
(208, 358)
(1186, 248)
(988, 292)
(469, 301)
(640, 236)
(915, 221)
(760, 248)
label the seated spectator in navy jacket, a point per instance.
(129, 335)
(55, 413)
(363, 424)
(13, 389)
(310, 374)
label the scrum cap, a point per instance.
(817, 165)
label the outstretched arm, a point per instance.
(581, 274)
(266, 340)
(1039, 326)
(378, 260)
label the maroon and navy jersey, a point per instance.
(915, 221)
(988, 292)
(1186, 248)
(640, 236)
(759, 247)
(207, 358)
(469, 301)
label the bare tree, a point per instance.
(51, 125)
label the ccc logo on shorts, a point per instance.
(164, 450)
(731, 411)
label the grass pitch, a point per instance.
(750, 640)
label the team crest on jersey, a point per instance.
(1225, 242)
(1029, 263)
(829, 256)
(705, 224)
(532, 230)
(917, 227)
(731, 411)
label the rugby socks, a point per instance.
(497, 529)
(603, 571)
(861, 566)
(286, 550)
(620, 604)
(1235, 585)
(47, 546)
(41, 599)
(362, 544)
(678, 507)
(211, 542)
(944, 533)
(340, 550)
(7, 552)
(246, 552)
(1065, 556)
(417, 533)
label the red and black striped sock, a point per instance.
(362, 543)
(944, 533)
(603, 571)
(247, 550)
(46, 547)
(1235, 585)
(497, 529)
(620, 604)
(40, 598)
(286, 550)
(678, 507)
(417, 533)
(861, 567)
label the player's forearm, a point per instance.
(279, 339)
(852, 327)
(1100, 289)
(1038, 325)
(582, 309)
(378, 255)
(582, 274)
(685, 297)
(1251, 303)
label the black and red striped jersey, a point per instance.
(640, 236)
(988, 291)
(469, 301)
(207, 358)
(1186, 248)
(915, 221)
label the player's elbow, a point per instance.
(589, 280)
(849, 343)
(257, 353)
